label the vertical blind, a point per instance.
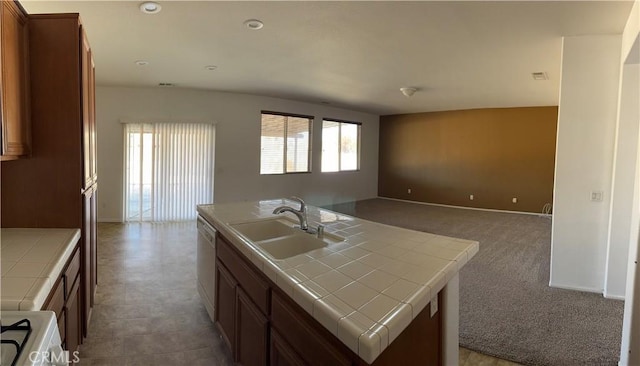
(168, 170)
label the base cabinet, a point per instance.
(225, 312)
(314, 344)
(252, 332)
(65, 299)
(73, 322)
(281, 353)
(264, 326)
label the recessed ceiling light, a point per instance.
(539, 76)
(408, 91)
(253, 24)
(142, 63)
(150, 7)
(211, 67)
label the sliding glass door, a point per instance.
(168, 170)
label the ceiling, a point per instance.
(351, 54)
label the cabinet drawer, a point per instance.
(251, 282)
(62, 326)
(56, 299)
(70, 274)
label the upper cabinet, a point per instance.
(14, 82)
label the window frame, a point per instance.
(359, 142)
(284, 162)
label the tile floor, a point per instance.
(147, 308)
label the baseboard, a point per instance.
(613, 297)
(106, 219)
(467, 208)
(575, 288)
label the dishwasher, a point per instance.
(206, 265)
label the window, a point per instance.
(168, 170)
(285, 143)
(340, 146)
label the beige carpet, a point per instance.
(507, 308)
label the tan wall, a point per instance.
(495, 154)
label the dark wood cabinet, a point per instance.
(57, 185)
(281, 353)
(89, 252)
(88, 114)
(252, 332)
(65, 300)
(14, 82)
(264, 326)
(242, 301)
(73, 320)
(314, 343)
(225, 312)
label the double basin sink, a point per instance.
(280, 239)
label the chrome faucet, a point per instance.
(301, 213)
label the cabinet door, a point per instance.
(14, 81)
(305, 334)
(87, 150)
(93, 245)
(92, 122)
(85, 258)
(55, 303)
(225, 304)
(281, 353)
(252, 332)
(73, 318)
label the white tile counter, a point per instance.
(31, 262)
(367, 289)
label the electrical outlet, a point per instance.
(596, 196)
(514, 200)
(409, 190)
(471, 197)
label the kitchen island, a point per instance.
(372, 289)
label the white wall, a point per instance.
(237, 151)
(631, 77)
(584, 154)
(630, 345)
(624, 174)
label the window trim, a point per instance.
(286, 127)
(342, 121)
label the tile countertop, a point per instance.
(31, 262)
(367, 289)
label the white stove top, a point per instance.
(43, 340)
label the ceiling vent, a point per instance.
(539, 76)
(166, 84)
